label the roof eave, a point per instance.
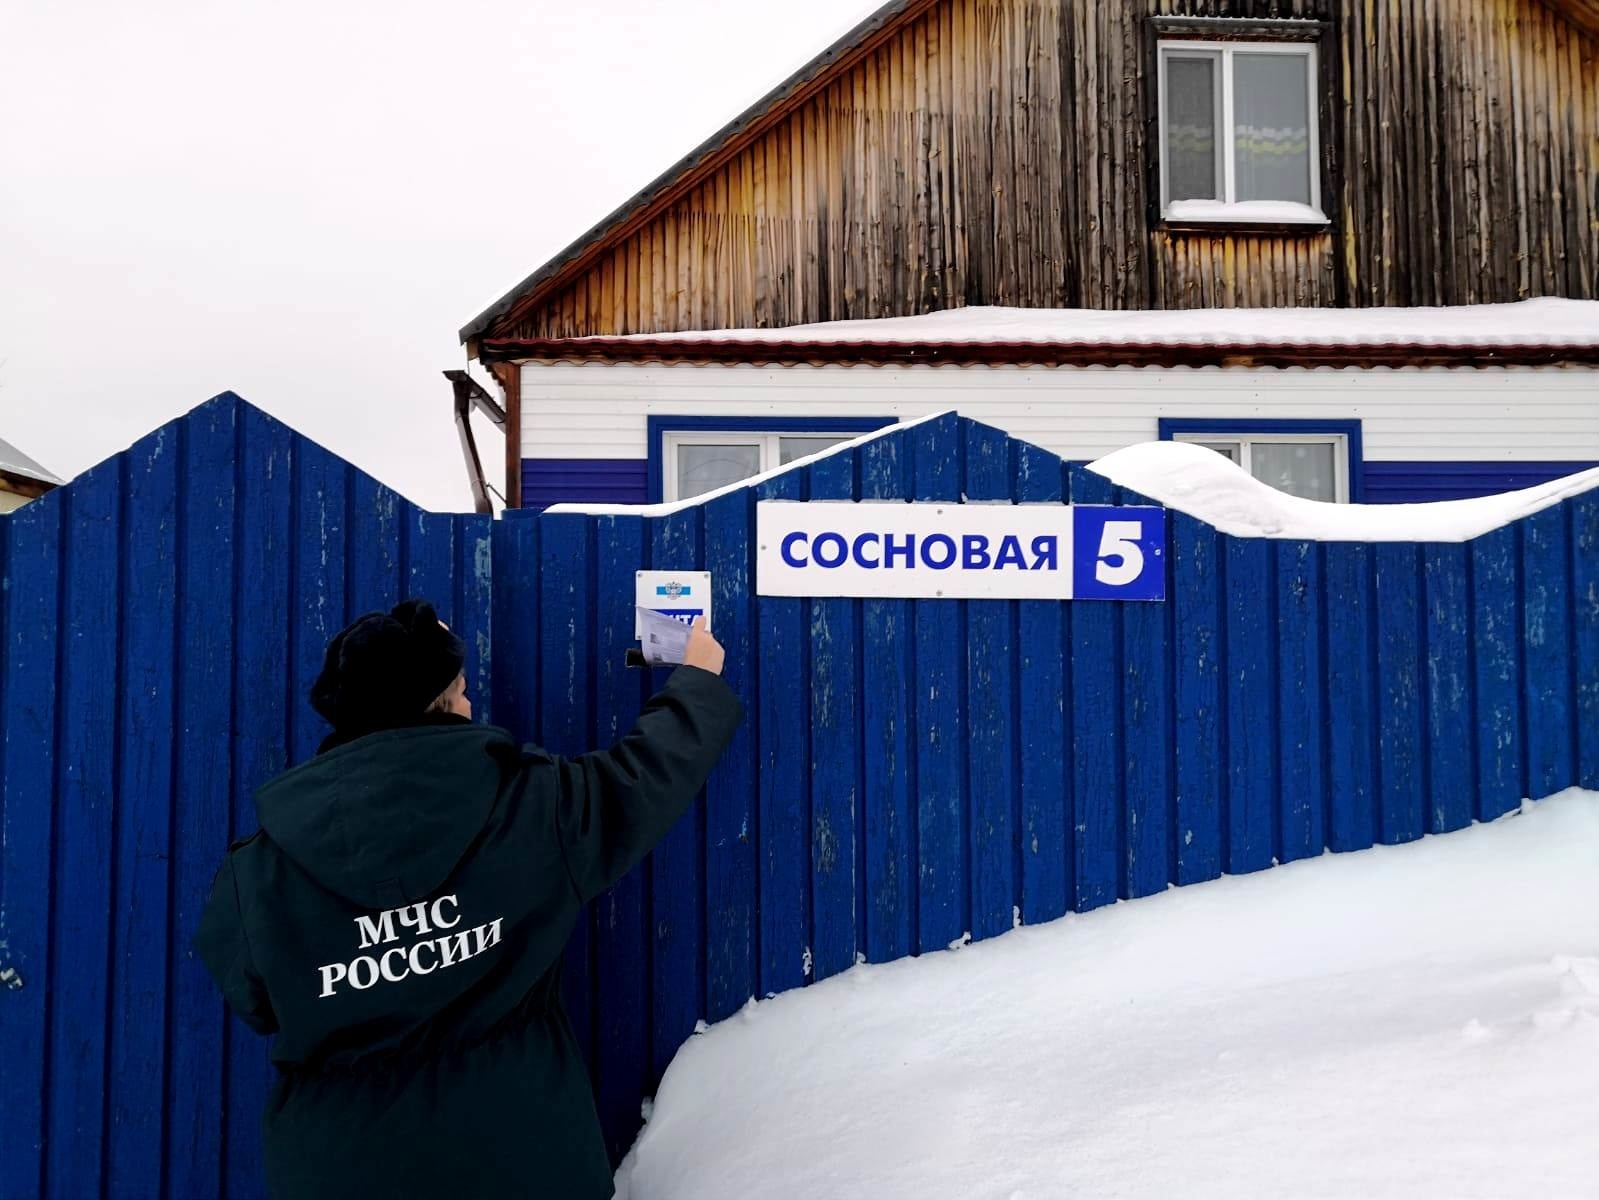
(1034, 354)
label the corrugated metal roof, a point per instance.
(15, 462)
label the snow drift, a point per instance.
(1198, 481)
(1407, 1021)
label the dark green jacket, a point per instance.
(398, 923)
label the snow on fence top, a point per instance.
(1204, 484)
(1544, 322)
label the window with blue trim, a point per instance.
(1316, 460)
(690, 456)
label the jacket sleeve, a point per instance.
(226, 953)
(615, 804)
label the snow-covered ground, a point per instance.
(1416, 1021)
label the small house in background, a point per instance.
(22, 479)
(1353, 247)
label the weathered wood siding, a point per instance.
(997, 152)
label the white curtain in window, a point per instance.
(1271, 127)
(1191, 128)
(1300, 469)
(702, 469)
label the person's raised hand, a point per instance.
(703, 650)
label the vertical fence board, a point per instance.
(781, 730)
(1046, 750)
(992, 794)
(835, 752)
(1351, 765)
(28, 612)
(941, 854)
(429, 540)
(621, 942)
(567, 634)
(91, 568)
(730, 825)
(1546, 633)
(1098, 802)
(1585, 622)
(887, 720)
(143, 842)
(1450, 735)
(1147, 747)
(516, 666)
(1400, 730)
(372, 564)
(1197, 597)
(318, 574)
(1497, 643)
(474, 609)
(1300, 740)
(1249, 686)
(203, 775)
(261, 619)
(677, 874)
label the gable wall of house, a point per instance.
(998, 152)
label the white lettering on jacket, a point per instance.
(401, 962)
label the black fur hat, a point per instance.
(387, 668)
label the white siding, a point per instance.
(1435, 414)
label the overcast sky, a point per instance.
(304, 200)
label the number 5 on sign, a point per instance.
(1118, 553)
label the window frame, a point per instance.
(666, 433)
(1226, 210)
(1345, 435)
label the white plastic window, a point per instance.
(695, 462)
(1238, 132)
(1312, 465)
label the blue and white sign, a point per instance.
(892, 550)
(680, 595)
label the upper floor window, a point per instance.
(1238, 132)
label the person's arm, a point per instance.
(225, 951)
(614, 805)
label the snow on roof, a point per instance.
(1417, 1020)
(1545, 322)
(15, 462)
(1204, 484)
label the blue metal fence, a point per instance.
(910, 772)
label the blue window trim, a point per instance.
(1353, 439)
(798, 424)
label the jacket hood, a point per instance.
(384, 820)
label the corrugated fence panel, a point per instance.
(889, 831)
(28, 623)
(942, 874)
(1042, 679)
(834, 690)
(677, 879)
(142, 846)
(621, 933)
(911, 772)
(194, 1097)
(90, 617)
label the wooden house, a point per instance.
(1070, 173)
